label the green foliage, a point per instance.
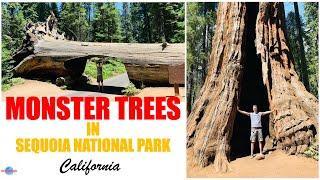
(43, 11)
(112, 68)
(106, 23)
(175, 24)
(293, 43)
(29, 11)
(6, 66)
(168, 19)
(89, 13)
(73, 21)
(99, 22)
(130, 90)
(195, 24)
(8, 84)
(201, 19)
(54, 9)
(158, 22)
(13, 22)
(312, 39)
(126, 25)
(313, 150)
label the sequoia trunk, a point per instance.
(210, 123)
(247, 33)
(294, 122)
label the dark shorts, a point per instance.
(99, 79)
(254, 133)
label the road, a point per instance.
(112, 87)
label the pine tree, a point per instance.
(54, 9)
(136, 21)
(194, 36)
(13, 23)
(311, 39)
(292, 39)
(199, 23)
(179, 32)
(157, 11)
(43, 11)
(303, 61)
(158, 22)
(29, 11)
(73, 21)
(106, 23)
(141, 21)
(89, 12)
(173, 17)
(126, 26)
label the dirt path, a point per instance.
(161, 91)
(276, 164)
(112, 88)
(34, 88)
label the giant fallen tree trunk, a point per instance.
(250, 50)
(45, 51)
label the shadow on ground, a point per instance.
(94, 88)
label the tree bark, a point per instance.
(45, 51)
(190, 87)
(210, 124)
(294, 122)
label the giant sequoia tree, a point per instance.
(250, 63)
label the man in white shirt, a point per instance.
(256, 127)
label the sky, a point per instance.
(288, 6)
(119, 6)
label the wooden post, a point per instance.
(176, 89)
(176, 77)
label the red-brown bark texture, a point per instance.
(293, 122)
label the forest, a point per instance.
(252, 67)
(302, 34)
(93, 22)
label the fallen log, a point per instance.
(46, 52)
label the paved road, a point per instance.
(121, 80)
(112, 87)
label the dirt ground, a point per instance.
(160, 91)
(39, 88)
(34, 88)
(277, 164)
